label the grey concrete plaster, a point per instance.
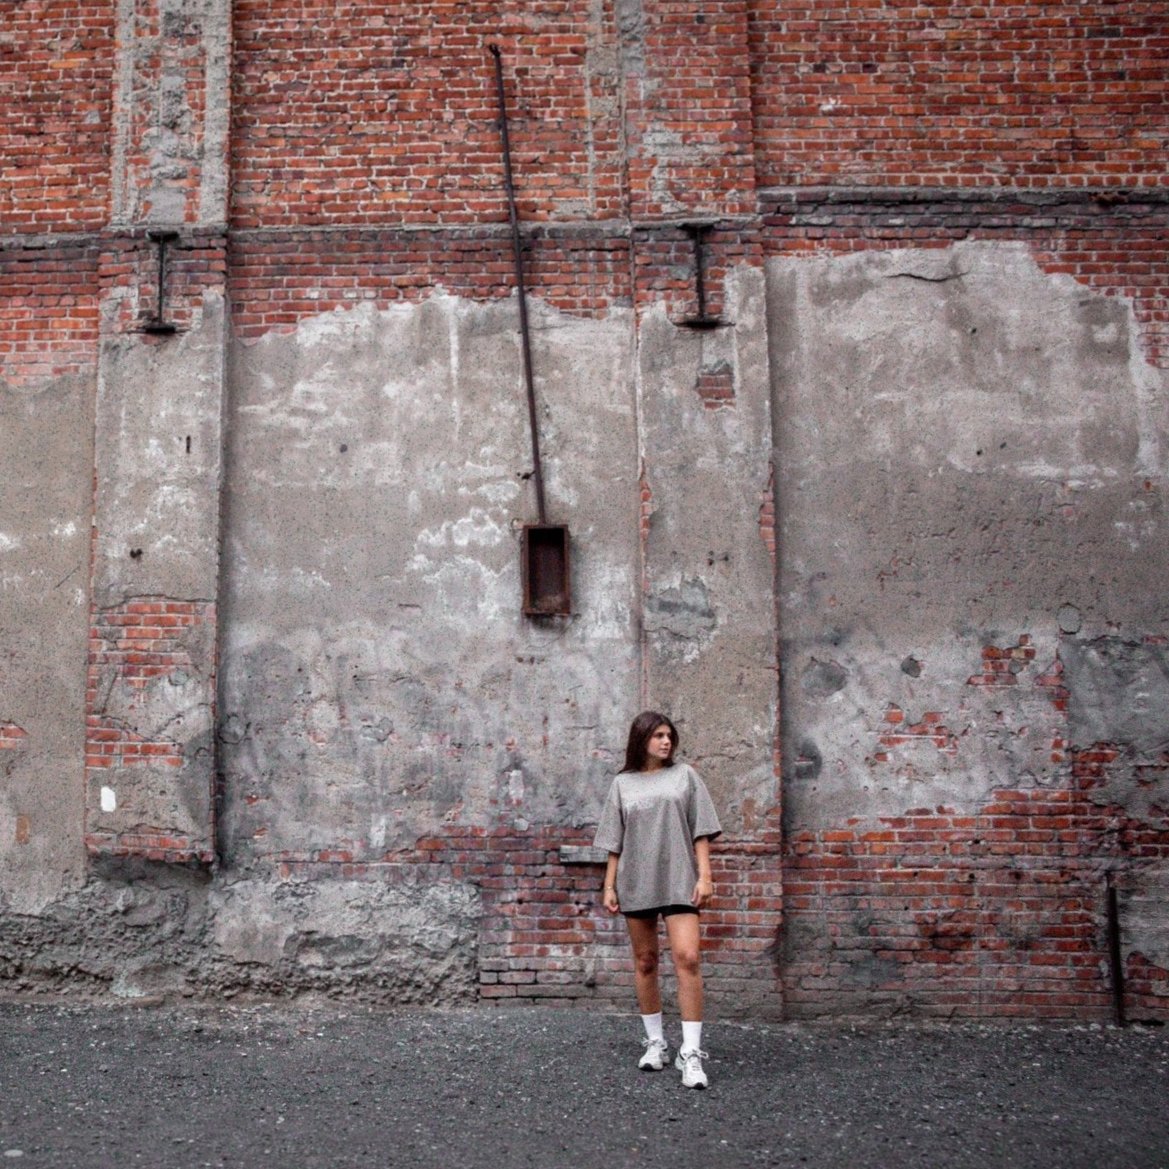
(409, 939)
(709, 610)
(379, 680)
(139, 931)
(159, 462)
(46, 451)
(1144, 922)
(969, 453)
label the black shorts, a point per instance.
(663, 910)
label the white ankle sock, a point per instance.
(691, 1036)
(653, 1025)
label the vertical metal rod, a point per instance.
(1114, 958)
(517, 249)
(161, 278)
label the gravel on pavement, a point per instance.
(86, 1086)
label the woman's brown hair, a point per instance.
(640, 734)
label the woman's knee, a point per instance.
(687, 962)
(646, 962)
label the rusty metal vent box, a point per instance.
(547, 590)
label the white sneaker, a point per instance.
(657, 1051)
(689, 1063)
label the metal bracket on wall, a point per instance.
(158, 324)
(698, 232)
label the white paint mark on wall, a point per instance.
(109, 800)
(497, 493)
(515, 786)
(377, 831)
(477, 528)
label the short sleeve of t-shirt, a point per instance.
(703, 818)
(611, 827)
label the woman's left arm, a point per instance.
(704, 886)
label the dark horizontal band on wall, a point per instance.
(769, 198)
(1029, 196)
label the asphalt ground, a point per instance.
(299, 1087)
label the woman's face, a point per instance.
(659, 748)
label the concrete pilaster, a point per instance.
(151, 686)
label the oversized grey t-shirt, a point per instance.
(652, 818)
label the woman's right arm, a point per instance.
(609, 896)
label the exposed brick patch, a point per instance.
(767, 517)
(716, 386)
(645, 504)
(1099, 764)
(930, 728)
(665, 267)
(1051, 680)
(196, 263)
(135, 648)
(1131, 263)
(148, 846)
(11, 736)
(1002, 666)
(1146, 988)
(134, 644)
(997, 912)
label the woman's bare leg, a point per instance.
(682, 929)
(643, 936)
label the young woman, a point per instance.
(657, 825)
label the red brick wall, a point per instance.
(544, 933)
(958, 94)
(48, 310)
(56, 93)
(997, 912)
(195, 263)
(392, 116)
(688, 95)
(278, 278)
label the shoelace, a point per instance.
(660, 1044)
(697, 1056)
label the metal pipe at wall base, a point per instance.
(1116, 966)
